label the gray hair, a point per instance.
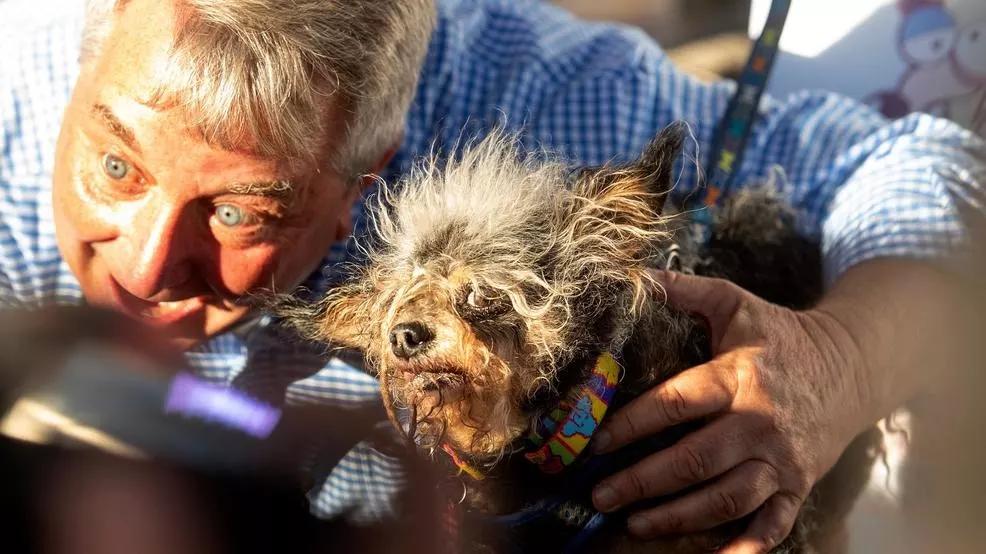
(265, 69)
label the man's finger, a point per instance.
(699, 456)
(717, 300)
(739, 492)
(708, 296)
(771, 526)
(695, 393)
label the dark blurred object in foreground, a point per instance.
(108, 447)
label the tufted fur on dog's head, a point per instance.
(490, 281)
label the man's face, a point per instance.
(161, 226)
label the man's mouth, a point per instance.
(158, 314)
(167, 313)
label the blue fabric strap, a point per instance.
(741, 113)
(578, 543)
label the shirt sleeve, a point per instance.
(863, 186)
(9, 253)
(38, 66)
(7, 299)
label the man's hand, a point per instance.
(781, 402)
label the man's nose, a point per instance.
(159, 252)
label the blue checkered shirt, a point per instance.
(594, 93)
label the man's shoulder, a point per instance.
(40, 41)
(532, 68)
(19, 18)
(37, 71)
(518, 33)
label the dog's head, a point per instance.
(493, 281)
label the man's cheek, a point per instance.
(243, 271)
(89, 218)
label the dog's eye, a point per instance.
(477, 305)
(476, 300)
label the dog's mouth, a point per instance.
(432, 385)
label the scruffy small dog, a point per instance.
(495, 288)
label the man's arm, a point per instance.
(898, 321)
(865, 187)
(784, 395)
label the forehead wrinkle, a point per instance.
(109, 120)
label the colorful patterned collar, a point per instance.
(564, 432)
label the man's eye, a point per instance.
(115, 167)
(230, 215)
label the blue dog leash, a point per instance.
(593, 469)
(736, 125)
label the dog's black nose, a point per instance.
(409, 339)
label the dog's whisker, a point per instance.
(412, 430)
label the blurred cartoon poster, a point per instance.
(899, 56)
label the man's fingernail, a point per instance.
(604, 498)
(640, 526)
(600, 441)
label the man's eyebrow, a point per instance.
(115, 126)
(278, 190)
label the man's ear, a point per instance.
(626, 201)
(367, 178)
(344, 228)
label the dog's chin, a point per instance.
(429, 390)
(441, 411)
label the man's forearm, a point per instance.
(894, 326)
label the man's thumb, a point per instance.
(717, 300)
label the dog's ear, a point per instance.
(340, 319)
(650, 176)
(655, 166)
(627, 200)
